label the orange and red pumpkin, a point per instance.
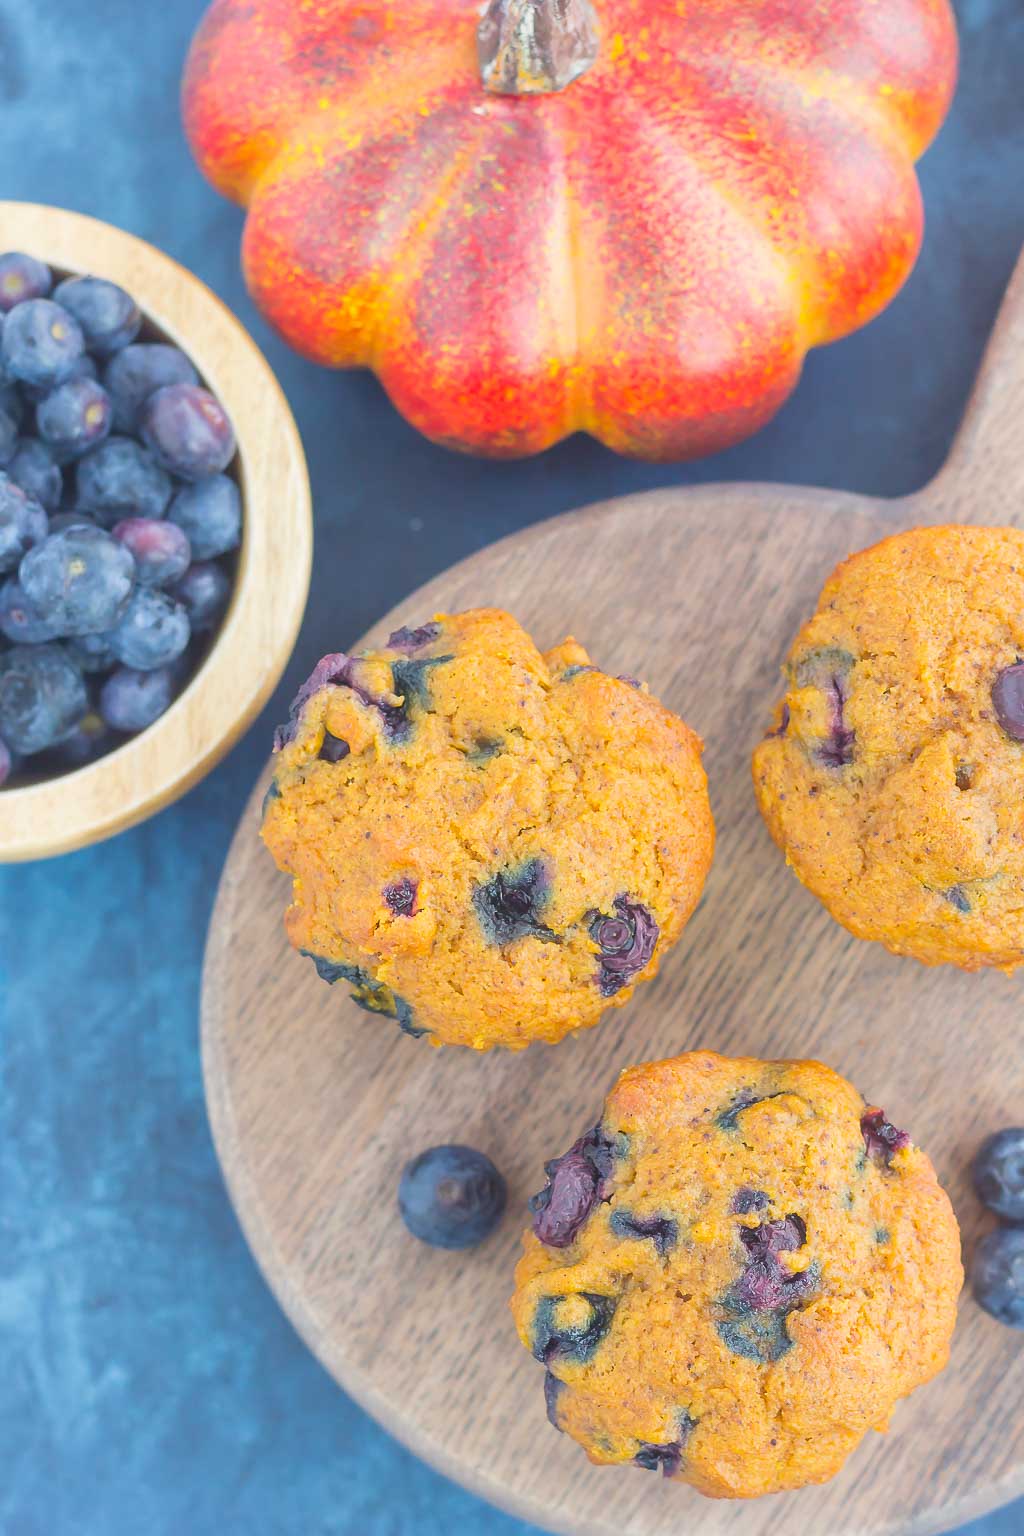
(623, 217)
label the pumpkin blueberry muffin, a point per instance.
(488, 845)
(894, 776)
(736, 1274)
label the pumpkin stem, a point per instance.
(530, 46)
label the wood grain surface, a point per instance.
(315, 1107)
(272, 580)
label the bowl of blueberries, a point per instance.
(155, 530)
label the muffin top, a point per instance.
(894, 776)
(488, 844)
(735, 1274)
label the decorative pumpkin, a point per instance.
(630, 219)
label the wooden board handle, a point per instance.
(983, 478)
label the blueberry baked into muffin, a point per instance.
(736, 1274)
(893, 778)
(489, 845)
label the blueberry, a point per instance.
(626, 942)
(130, 700)
(153, 630)
(666, 1459)
(22, 523)
(576, 1181)
(334, 750)
(8, 436)
(401, 896)
(203, 593)
(6, 762)
(160, 549)
(553, 1389)
(35, 469)
(133, 374)
(42, 342)
(451, 1197)
(60, 522)
(210, 513)
(74, 417)
(662, 1230)
(11, 402)
(89, 739)
(81, 579)
(19, 619)
(22, 277)
(109, 317)
(1008, 700)
(510, 903)
(755, 1307)
(881, 1138)
(409, 640)
(747, 1200)
(999, 1173)
(557, 1336)
(188, 431)
(728, 1119)
(42, 697)
(121, 479)
(92, 653)
(997, 1275)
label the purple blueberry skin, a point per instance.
(881, 1138)
(42, 342)
(188, 431)
(80, 579)
(203, 592)
(160, 549)
(451, 1197)
(626, 941)
(22, 523)
(19, 620)
(210, 513)
(576, 1182)
(130, 700)
(121, 479)
(35, 469)
(109, 317)
(42, 697)
(74, 417)
(999, 1173)
(1008, 700)
(152, 632)
(8, 437)
(22, 277)
(997, 1275)
(133, 374)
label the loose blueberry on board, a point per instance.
(135, 373)
(188, 431)
(22, 523)
(159, 548)
(20, 621)
(42, 697)
(81, 579)
(120, 479)
(22, 277)
(41, 344)
(1008, 700)
(74, 417)
(451, 1197)
(152, 631)
(130, 700)
(626, 941)
(203, 593)
(35, 469)
(999, 1173)
(210, 513)
(109, 317)
(997, 1275)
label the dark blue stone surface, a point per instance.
(148, 1384)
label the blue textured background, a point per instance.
(148, 1384)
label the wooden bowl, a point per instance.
(258, 631)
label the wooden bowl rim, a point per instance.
(186, 742)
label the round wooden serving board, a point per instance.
(316, 1107)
